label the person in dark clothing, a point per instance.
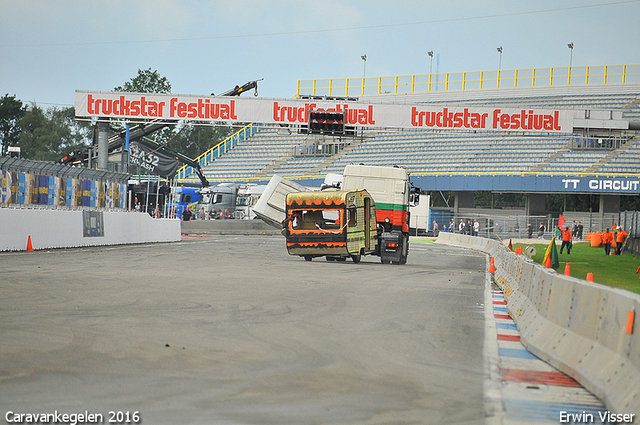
(186, 214)
(530, 230)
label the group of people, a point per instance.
(223, 214)
(576, 230)
(613, 238)
(464, 228)
(617, 236)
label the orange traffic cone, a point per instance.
(29, 245)
(567, 269)
(589, 277)
(492, 267)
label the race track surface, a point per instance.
(233, 330)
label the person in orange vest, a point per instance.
(620, 239)
(566, 240)
(607, 238)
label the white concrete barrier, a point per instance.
(67, 228)
(581, 328)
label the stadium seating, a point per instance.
(276, 151)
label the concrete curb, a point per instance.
(578, 327)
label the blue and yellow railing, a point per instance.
(218, 150)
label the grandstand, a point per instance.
(286, 152)
(605, 141)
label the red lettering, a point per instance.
(90, 105)
(504, 121)
(214, 110)
(172, 107)
(556, 120)
(143, 106)
(496, 114)
(232, 112)
(537, 122)
(192, 109)
(362, 116)
(182, 110)
(515, 121)
(276, 110)
(107, 106)
(124, 106)
(414, 115)
(371, 121)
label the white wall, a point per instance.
(64, 229)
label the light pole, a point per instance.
(364, 71)
(431, 61)
(570, 46)
(499, 65)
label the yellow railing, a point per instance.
(474, 80)
(217, 150)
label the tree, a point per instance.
(196, 139)
(48, 135)
(11, 110)
(146, 81)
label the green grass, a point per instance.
(614, 270)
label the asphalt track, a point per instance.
(233, 330)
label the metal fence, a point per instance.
(504, 225)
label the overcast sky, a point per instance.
(50, 48)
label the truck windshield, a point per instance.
(211, 198)
(175, 197)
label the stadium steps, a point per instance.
(268, 170)
(614, 153)
(550, 159)
(354, 144)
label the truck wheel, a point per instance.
(308, 258)
(331, 258)
(384, 261)
(405, 250)
(356, 258)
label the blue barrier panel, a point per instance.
(43, 189)
(21, 187)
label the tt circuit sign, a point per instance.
(593, 184)
(527, 183)
(296, 111)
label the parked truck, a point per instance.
(229, 200)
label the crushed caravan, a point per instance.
(331, 223)
(271, 204)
